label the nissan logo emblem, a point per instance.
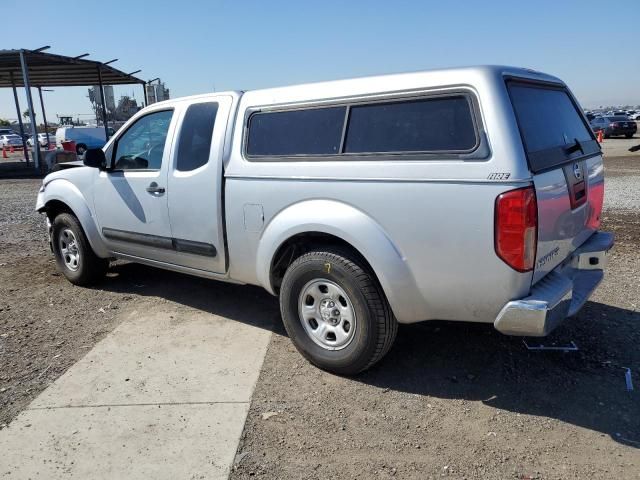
(577, 171)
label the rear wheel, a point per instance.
(335, 312)
(607, 135)
(74, 257)
(629, 135)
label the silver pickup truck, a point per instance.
(469, 194)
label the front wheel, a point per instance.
(335, 312)
(74, 257)
(629, 135)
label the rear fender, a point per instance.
(67, 193)
(362, 233)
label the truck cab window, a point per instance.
(141, 147)
(195, 136)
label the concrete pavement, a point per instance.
(165, 395)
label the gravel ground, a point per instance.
(622, 190)
(462, 401)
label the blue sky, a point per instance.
(197, 46)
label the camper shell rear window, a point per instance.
(552, 128)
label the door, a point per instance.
(195, 185)
(130, 198)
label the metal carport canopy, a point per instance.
(34, 68)
(50, 70)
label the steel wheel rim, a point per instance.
(327, 314)
(69, 250)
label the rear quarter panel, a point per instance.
(445, 243)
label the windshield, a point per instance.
(618, 119)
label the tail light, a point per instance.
(596, 200)
(613, 125)
(516, 228)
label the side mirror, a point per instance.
(94, 157)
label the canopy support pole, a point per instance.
(44, 116)
(104, 107)
(32, 115)
(15, 98)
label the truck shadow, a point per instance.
(243, 303)
(450, 360)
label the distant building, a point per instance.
(95, 96)
(127, 108)
(123, 111)
(156, 92)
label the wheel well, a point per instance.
(55, 208)
(302, 243)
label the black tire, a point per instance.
(81, 148)
(375, 326)
(629, 135)
(89, 268)
(607, 136)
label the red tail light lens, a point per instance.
(596, 200)
(516, 228)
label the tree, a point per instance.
(4, 123)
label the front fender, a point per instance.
(360, 231)
(66, 192)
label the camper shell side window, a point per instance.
(419, 126)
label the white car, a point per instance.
(11, 140)
(635, 116)
(42, 139)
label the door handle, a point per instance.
(154, 188)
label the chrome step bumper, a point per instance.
(560, 294)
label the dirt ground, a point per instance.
(46, 324)
(450, 399)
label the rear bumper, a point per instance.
(560, 294)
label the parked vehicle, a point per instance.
(85, 137)
(43, 140)
(7, 131)
(10, 140)
(635, 116)
(469, 194)
(614, 126)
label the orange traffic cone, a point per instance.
(4, 152)
(600, 136)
